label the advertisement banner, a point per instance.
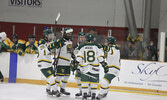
(142, 74)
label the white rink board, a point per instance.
(136, 74)
(4, 63)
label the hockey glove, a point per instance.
(104, 65)
(73, 66)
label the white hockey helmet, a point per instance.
(2, 36)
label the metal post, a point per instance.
(162, 46)
(147, 22)
(130, 18)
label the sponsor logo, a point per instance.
(151, 72)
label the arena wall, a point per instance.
(134, 75)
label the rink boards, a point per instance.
(134, 75)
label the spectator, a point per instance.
(31, 45)
(98, 36)
(130, 51)
(147, 54)
(18, 45)
(153, 51)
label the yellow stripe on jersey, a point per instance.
(84, 86)
(112, 51)
(93, 87)
(94, 64)
(52, 84)
(93, 82)
(85, 82)
(110, 66)
(103, 87)
(80, 56)
(106, 80)
(57, 81)
(44, 60)
(100, 56)
(82, 65)
(64, 81)
(64, 58)
(49, 76)
(77, 77)
(62, 74)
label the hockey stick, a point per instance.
(34, 30)
(87, 75)
(57, 60)
(57, 18)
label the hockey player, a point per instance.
(45, 61)
(90, 55)
(5, 42)
(81, 40)
(63, 61)
(18, 45)
(113, 61)
(31, 45)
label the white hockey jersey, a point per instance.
(76, 53)
(89, 56)
(65, 54)
(44, 55)
(113, 60)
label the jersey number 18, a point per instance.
(89, 56)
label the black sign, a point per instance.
(28, 3)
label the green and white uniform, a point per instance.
(45, 61)
(63, 64)
(113, 61)
(77, 73)
(89, 56)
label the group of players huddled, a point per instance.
(84, 59)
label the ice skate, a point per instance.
(64, 92)
(56, 93)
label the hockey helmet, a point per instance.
(89, 37)
(68, 33)
(31, 36)
(46, 32)
(81, 37)
(14, 36)
(81, 34)
(3, 36)
(111, 40)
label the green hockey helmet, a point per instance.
(47, 31)
(111, 40)
(31, 36)
(14, 36)
(81, 34)
(81, 37)
(89, 37)
(48, 35)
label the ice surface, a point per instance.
(15, 91)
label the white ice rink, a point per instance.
(17, 91)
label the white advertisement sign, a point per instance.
(142, 74)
